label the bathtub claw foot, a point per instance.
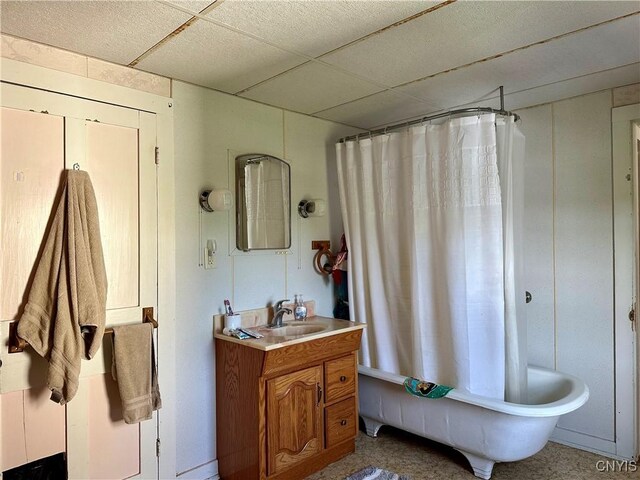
(372, 426)
(482, 467)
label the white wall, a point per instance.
(208, 125)
(569, 252)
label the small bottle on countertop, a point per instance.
(299, 310)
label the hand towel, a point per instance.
(64, 317)
(134, 368)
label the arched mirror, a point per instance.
(263, 202)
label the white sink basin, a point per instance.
(293, 329)
(300, 329)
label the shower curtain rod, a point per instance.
(384, 130)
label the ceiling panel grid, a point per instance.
(361, 62)
(115, 31)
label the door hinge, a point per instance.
(157, 447)
(157, 156)
(632, 318)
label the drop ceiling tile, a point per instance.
(310, 88)
(315, 27)
(114, 31)
(593, 50)
(615, 77)
(383, 108)
(576, 86)
(195, 6)
(213, 56)
(464, 32)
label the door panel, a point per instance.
(584, 230)
(35, 427)
(44, 424)
(116, 146)
(114, 446)
(123, 175)
(31, 160)
(112, 163)
(14, 452)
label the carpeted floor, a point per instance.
(421, 459)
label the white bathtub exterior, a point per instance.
(483, 429)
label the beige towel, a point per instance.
(65, 313)
(134, 368)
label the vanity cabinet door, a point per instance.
(294, 418)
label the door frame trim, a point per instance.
(626, 369)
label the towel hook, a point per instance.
(147, 316)
(76, 166)
(323, 248)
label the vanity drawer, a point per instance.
(341, 422)
(340, 378)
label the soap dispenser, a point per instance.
(299, 310)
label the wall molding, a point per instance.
(34, 53)
(207, 471)
(626, 95)
(584, 442)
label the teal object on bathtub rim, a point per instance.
(423, 389)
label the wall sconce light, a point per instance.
(216, 200)
(312, 208)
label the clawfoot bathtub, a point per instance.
(484, 430)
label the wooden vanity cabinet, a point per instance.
(287, 412)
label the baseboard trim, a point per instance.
(207, 471)
(585, 442)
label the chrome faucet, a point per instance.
(279, 311)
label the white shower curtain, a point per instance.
(510, 143)
(424, 223)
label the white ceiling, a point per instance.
(362, 62)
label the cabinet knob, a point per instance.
(343, 423)
(343, 378)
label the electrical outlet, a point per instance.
(209, 259)
(210, 255)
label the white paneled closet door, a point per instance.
(578, 260)
(42, 134)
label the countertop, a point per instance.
(272, 340)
